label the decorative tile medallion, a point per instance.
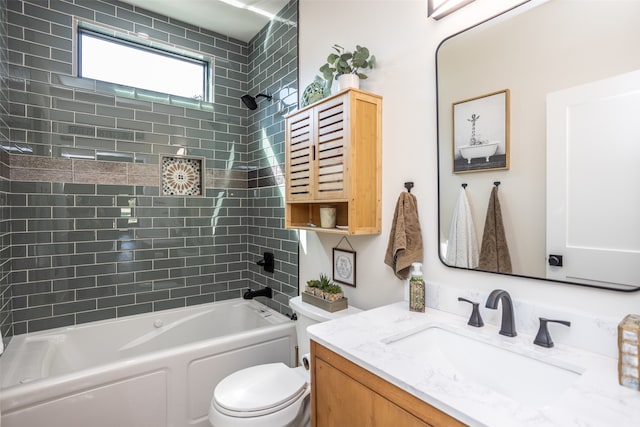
(181, 176)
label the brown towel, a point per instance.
(405, 239)
(494, 253)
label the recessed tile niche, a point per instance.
(181, 176)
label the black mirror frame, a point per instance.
(609, 288)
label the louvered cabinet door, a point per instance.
(331, 135)
(299, 160)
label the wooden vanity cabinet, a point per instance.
(333, 154)
(345, 394)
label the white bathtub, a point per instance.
(485, 150)
(156, 369)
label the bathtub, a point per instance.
(156, 369)
(485, 150)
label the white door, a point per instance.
(593, 181)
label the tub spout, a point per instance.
(264, 292)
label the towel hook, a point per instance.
(464, 185)
(496, 183)
(408, 185)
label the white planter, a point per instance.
(327, 217)
(349, 81)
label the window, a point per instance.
(114, 60)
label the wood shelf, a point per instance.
(334, 158)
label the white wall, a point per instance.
(404, 41)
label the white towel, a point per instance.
(462, 248)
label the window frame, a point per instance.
(144, 43)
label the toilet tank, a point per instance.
(309, 315)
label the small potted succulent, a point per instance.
(325, 294)
(324, 288)
(347, 66)
(323, 282)
(332, 292)
(312, 286)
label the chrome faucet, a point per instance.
(508, 327)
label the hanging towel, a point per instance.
(462, 248)
(405, 239)
(494, 254)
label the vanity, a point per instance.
(347, 394)
(390, 366)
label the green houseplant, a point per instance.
(324, 288)
(325, 294)
(332, 292)
(342, 62)
(323, 284)
(312, 286)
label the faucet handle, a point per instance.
(543, 338)
(475, 319)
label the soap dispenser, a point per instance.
(416, 288)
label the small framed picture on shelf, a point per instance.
(344, 267)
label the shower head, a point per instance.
(250, 101)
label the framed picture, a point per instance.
(481, 133)
(344, 267)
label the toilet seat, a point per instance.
(258, 390)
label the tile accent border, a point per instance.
(32, 168)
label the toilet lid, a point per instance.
(259, 390)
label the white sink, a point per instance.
(530, 381)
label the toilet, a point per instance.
(273, 394)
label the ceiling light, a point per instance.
(261, 12)
(437, 9)
(240, 5)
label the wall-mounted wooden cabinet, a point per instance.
(334, 158)
(345, 394)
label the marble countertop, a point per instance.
(594, 399)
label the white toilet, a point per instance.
(271, 395)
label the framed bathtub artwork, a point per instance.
(481, 133)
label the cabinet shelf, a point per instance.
(333, 158)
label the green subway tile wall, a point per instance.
(5, 196)
(86, 234)
(273, 69)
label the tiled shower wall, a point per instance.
(273, 70)
(5, 236)
(92, 237)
